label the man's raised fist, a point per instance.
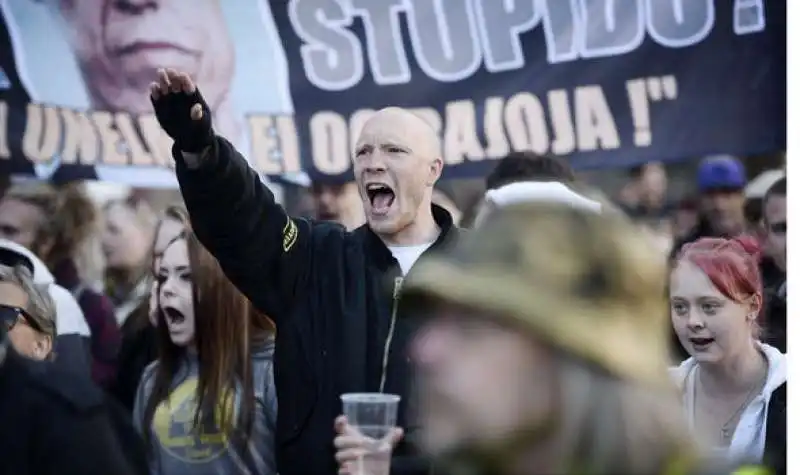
(181, 110)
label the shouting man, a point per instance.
(340, 329)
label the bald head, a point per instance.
(407, 127)
(398, 154)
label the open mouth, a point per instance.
(174, 316)
(701, 342)
(151, 46)
(381, 196)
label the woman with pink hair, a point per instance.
(733, 385)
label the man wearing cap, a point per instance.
(720, 181)
(544, 349)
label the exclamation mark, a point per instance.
(748, 16)
(640, 111)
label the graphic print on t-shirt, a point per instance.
(173, 425)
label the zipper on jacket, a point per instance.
(398, 283)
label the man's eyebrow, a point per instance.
(393, 143)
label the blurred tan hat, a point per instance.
(588, 283)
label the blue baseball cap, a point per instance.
(721, 172)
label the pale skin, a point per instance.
(729, 367)
(23, 337)
(395, 148)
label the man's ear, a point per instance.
(434, 171)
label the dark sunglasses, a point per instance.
(10, 315)
(778, 228)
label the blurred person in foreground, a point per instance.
(720, 182)
(773, 264)
(56, 424)
(733, 385)
(27, 313)
(140, 337)
(56, 223)
(544, 349)
(127, 238)
(72, 333)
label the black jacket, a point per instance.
(774, 280)
(329, 292)
(775, 444)
(57, 422)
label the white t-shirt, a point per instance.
(406, 256)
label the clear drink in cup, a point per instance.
(374, 415)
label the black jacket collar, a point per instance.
(382, 256)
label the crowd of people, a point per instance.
(540, 341)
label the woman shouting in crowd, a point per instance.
(207, 405)
(733, 386)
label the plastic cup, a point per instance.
(374, 415)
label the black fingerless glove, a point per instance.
(173, 112)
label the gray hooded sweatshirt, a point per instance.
(180, 449)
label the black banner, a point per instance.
(602, 82)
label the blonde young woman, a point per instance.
(127, 237)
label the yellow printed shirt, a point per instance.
(181, 448)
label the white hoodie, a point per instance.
(69, 316)
(749, 438)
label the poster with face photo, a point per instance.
(87, 64)
(603, 83)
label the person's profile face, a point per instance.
(710, 326)
(478, 380)
(175, 293)
(775, 223)
(120, 44)
(125, 243)
(26, 339)
(391, 174)
(20, 222)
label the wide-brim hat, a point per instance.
(587, 283)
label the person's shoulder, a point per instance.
(73, 390)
